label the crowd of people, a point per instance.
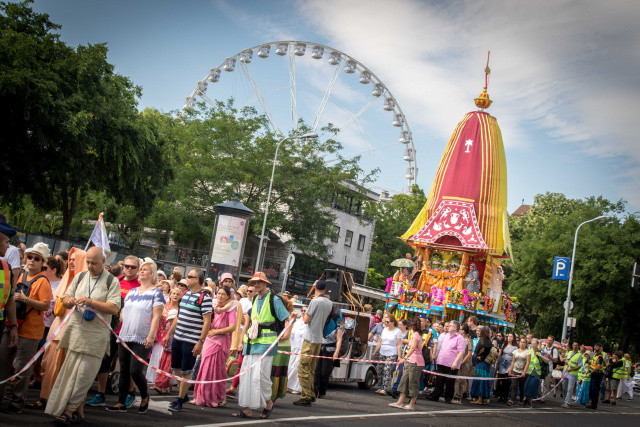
(451, 357)
(197, 329)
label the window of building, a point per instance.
(348, 238)
(361, 241)
(336, 232)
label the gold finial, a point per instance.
(483, 101)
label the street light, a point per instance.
(567, 306)
(309, 135)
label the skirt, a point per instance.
(156, 355)
(531, 386)
(279, 373)
(481, 389)
(292, 372)
(583, 393)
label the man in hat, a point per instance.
(85, 339)
(315, 318)
(33, 296)
(7, 303)
(255, 385)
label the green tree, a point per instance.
(393, 218)
(605, 305)
(70, 123)
(223, 152)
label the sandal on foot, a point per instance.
(77, 419)
(63, 420)
(266, 413)
(409, 408)
(38, 404)
(240, 414)
(395, 405)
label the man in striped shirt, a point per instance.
(189, 330)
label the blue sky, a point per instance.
(565, 75)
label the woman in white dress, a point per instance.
(297, 332)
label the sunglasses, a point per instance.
(182, 284)
(130, 266)
(192, 277)
(34, 258)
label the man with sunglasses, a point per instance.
(128, 281)
(33, 296)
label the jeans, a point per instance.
(517, 387)
(569, 387)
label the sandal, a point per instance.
(409, 408)
(266, 413)
(77, 419)
(38, 404)
(63, 420)
(240, 414)
(395, 405)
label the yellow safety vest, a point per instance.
(534, 366)
(5, 286)
(621, 372)
(573, 359)
(266, 322)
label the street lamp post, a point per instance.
(567, 307)
(266, 208)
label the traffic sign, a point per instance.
(561, 266)
(571, 322)
(564, 304)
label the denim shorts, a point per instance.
(182, 358)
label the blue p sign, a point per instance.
(561, 267)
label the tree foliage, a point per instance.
(605, 305)
(393, 218)
(70, 123)
(223, 151)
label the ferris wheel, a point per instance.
(315, 69)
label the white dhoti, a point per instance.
(292, 371)
(74, 380)
(154, 361)
(255, 385)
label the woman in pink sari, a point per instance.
(213, 365)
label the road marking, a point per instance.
(392, 414)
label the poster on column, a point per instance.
(228, 243)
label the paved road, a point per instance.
(346, 405)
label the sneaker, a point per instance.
(176, 405)
(143, 408)
(97, 400)
(131, 399)
(527, 405)
(565, 406)
(302, 402)
(116, 408)
(606, 401)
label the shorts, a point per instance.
(107, 360)
(612, 384)
(182, 358)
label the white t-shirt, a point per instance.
(12, 257)
(390, 339)
(246, 304)
(137, 313)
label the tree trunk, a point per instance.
(69, 204)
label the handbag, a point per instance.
(58, 308)
(252, 333)
(556, 374)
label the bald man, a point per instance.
(85, 339)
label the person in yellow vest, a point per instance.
(615, 372)
(626, 384)
(255, 385)
(574, 361)
(8, 327)
(532, 383)
(596, 369)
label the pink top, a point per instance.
(450, 346)
(416, 356)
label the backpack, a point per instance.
(544, 368)
(492, 357)
(331, 323)
(24, 286)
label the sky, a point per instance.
(565, 76)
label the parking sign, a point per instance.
(561, 266)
